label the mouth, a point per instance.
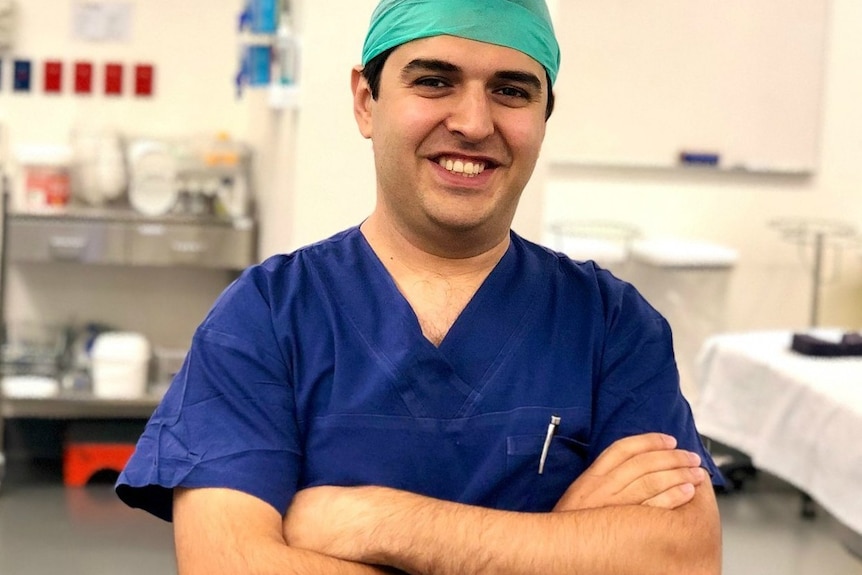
(464, 167)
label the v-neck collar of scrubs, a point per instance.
(430, 378)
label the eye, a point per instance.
(432, 82)
(512, 92)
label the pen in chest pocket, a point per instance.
(552, 428)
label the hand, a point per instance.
(642, 469)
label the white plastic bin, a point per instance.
(687, 282)
(120, 365)
(605, 242)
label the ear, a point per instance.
(362, 101)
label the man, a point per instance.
(428, 392)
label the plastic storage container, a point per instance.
(687, 282)
(605, 242)
(46, 175)
(120, 365)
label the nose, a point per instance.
(471, 115)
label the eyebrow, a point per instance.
(430, 66)
(433, 65)
(521, 78)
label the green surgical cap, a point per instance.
(524, 25)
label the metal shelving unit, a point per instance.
(4, 205)
(77, 405)
(124, 238)
(117, 238)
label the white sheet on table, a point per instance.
(796, 416)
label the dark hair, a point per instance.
(374, 68)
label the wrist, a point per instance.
(362, 524)
(394, 523)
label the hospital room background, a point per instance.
(755, 220)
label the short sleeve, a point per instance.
(228, 419)
(638, 389)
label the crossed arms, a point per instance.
(644, 507)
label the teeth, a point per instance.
(466, 169)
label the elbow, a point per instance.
(702, 568)
(708, 563)
(698, 555)
(695, 547)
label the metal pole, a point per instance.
(815, 291)
(4, 235)
(4, 221)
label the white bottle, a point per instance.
(285, 76)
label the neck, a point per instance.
(465, 256)
(436, 284)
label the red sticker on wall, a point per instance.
(144, 74)
(53, 76)
(83, 77)
(113, 79)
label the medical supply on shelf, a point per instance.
(99, 173)
(261, 16)
(269, 51)
(286, 50)
(46, 175)
(120, 365)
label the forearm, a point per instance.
(450, 539)
(270, 557)
(222, 531)
(262, 558)
(431, 537)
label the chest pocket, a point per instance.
(475, 460)
(566, 459)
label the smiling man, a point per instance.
(428, 392)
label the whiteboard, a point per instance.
(733, 82)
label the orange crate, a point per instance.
(83, 460)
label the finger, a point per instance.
(672, 498)
(646, 464)
(654, 484)
(628, 447)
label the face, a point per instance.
(456, 132)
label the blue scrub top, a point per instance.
(312, 369)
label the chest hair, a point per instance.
(437, 302)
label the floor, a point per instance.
(46, 529)
(765, 534)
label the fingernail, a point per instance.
(694, 458)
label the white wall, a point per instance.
(192, 44)
(770, 286)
